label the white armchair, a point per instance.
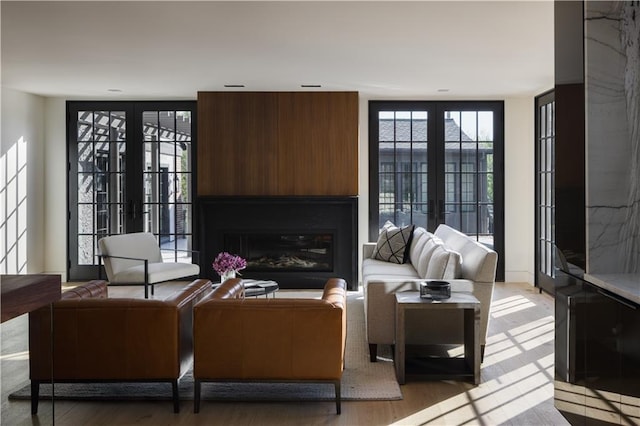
(136, 259)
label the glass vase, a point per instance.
(227, 276)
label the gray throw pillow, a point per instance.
(393, 243)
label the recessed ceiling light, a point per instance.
(443, 90)
(234, 85)
(114, 90)
(310, 85)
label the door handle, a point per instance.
(132, 209)
(441, 210)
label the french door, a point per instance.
(545, 250)
(438, 162)
(130, 169)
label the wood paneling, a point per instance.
(238, 150)
(278, 143)
(318, 149)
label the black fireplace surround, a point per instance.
(299, 242)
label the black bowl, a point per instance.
(435, 290)
(437, 284)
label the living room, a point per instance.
(172, 51)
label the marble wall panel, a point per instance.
(612, 168)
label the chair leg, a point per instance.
(146, 290)
(338, 396)
(373, 352)
(196, 396)
(176, 396)
(35, 395)
(152, 288)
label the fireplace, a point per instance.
(298, 242)
(277, 251)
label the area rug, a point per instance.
(361, 380)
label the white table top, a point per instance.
(625, 285)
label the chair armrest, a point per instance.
(146, 264)
(122, 257)
(335, 292)
(191, 294)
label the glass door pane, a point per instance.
(99, 173)
(468, 173)
(403, 167)
(167, 177)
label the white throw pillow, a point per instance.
(425, 255)
(437, 263)
(420, 238)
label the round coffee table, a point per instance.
(255, 288)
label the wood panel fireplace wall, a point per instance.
(279, 163)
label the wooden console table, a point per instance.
(25, 293)
(20, 294)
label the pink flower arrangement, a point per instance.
(226, 262)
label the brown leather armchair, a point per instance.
(275, 340)
(97, 339)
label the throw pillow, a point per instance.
(392, 244)
(437, 263)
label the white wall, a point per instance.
(22, 165)
(55, 184)
(519, 186)
(519, 160)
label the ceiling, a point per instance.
(173, 49)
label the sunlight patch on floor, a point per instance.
(506, 345)
(495, 401)
(510, 305)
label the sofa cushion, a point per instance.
(425, 255)
(392, 244)
(380, 267)
(420, 238)
(443, 264)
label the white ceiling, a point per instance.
(172, 50)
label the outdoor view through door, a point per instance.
(438, 162)
(130, 170)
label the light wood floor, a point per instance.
(516, 388)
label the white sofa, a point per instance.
(446, 255)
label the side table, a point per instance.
(411, 300)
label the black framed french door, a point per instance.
(438, 162)
(131, 168)
(545, 228)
